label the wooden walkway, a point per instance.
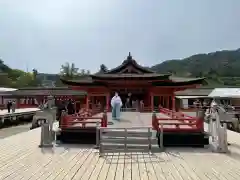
(21, 159)
(18, 111)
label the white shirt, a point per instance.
(116, 100)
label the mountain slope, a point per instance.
(221, 63)
(220, 68)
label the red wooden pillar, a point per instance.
(87, 102)
(108, 102)
(152, 101)
(163, 102)
(173, 102)
(167, 102)
(160, 100)
(146, 99)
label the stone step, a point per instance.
(129, 140)
(108, 148)
(128, 133)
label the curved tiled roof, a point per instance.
(129, 62)
(144, 76)
(41, 91)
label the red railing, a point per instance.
(26, 106)
(174, 114)
(87, 112)
(177, 124)
(82, 119)
(145, 109)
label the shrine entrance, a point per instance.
(138, 94)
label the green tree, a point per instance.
(35, 73)
(25, 80)
(82, 72)
(58, 82)
(35, 80)
(14, 74)
(69, 71)
(5, 80)
(103, 68)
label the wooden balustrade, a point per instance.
(83, 118)
(178, 124)
(174, 114)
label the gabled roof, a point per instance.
(127, 64)
(195, 92)
(225, 93)
(177, 81)
(42, 91)
(145, 76)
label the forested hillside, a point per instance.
(221, 67)
(16, 78)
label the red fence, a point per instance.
(26, 106)
(174, 114)
(85, 118)
(177, 122)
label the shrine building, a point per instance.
(131, 78)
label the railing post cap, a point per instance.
(154, 112)
(154, 115)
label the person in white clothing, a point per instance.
(116, 104)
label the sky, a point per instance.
(44, 34)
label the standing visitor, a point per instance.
(197, 103)
(116, 104)
(13, 106)
(9, 105)
(70, 107)
(127, 104)
(205, 106)
(137, 105)
(130, 99)
(133, 104)
(60, 109)
(141, 105)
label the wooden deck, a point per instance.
(21, 159)
(22, 111)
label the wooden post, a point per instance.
(163, 101)
(200, 120)
(87, 102)
(152, 102)
(154, 121)
(160, 101)
(173, 103)
(107, 102)
(160, 104)
(167, 102)
(104, 121)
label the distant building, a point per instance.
(47, 80)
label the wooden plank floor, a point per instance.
(136, 119)
(18, 111)
(21, 159)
